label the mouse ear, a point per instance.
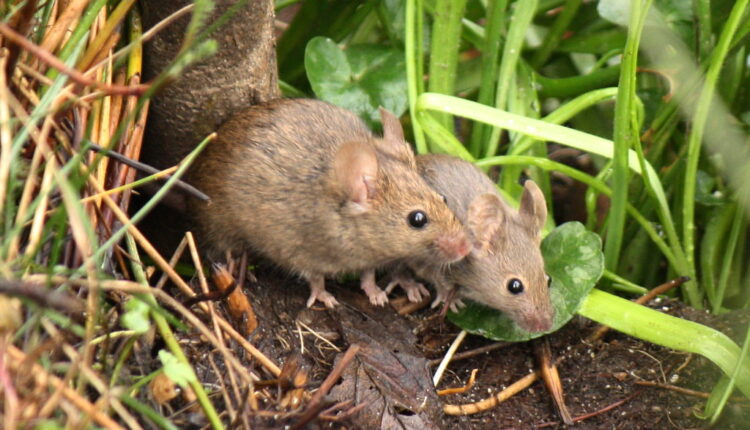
(393, 140)
(485, 219)
(533, 206)
(355, 173)
(391, 126)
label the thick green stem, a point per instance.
(573, 86)
(490, 55)
(446, 39)
(443, 139)
(672, 332)
(624, 135)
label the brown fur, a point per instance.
(307, 185)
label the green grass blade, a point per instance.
(731, 382)
(558, 116)
(73, 45)
(142, 212)
(490, 55)
(171, 342)
(622, 284)
(575, 85)
(700, 117)
(712, 243)
(520, 21)
(414, 47)
(730, 244)
(147, 412)
(624, 136)
(555, 33)
(537, 129)
(705, 35)
(443, 139)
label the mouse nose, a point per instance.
(454, 246)
(538, 323)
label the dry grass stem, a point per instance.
(491, 402)
(49, 59)
(5, 132)
(42, 378)
(459, 390)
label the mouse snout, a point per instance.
(537, 323)
(454, 246)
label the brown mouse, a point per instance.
(505, 269)
(307, 185)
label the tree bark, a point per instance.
(243, 72)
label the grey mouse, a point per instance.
(307, 185)
(505, 269)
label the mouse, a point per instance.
(504, 269)
(307, 185)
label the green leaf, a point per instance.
(136, 316)
(573, 259)
(180, 373)
(395, 13)
(360, 78)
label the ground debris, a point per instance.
(390, 375)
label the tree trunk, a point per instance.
(243, 72)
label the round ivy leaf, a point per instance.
(573, 259)
(361, 78)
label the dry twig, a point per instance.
(315, 406)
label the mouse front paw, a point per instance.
(456, 304)
(449, 297)
(377, 296)
(415, 291)
(440, 297)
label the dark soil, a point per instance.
(390, 378)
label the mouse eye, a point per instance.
(549, 281)
(445, 199)
(515, 286)
(417, 219)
